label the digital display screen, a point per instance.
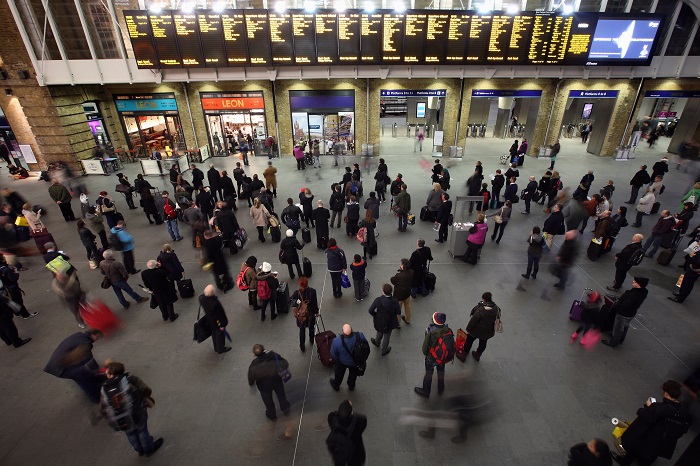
(420, 109)
(587, 109)
(297, 37)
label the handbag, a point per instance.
(284, 374)
(153, 304)
(106, 284)
(202, 330)
(43, 231)
(16, 308)
(498, 218)
(345, 281)
(20, 221)
(498, 324)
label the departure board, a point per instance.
(327, 37)
(210, 28)
(393, 34)
(139, 30)
(415, 27)
(457, 35)
(165, 40)
(256, 37)
(258, 34)
(349, 37)
(187, 31)
(233, 29)
(303, 31)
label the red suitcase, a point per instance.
(323, 343)
(97, 315)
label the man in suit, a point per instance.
(156, 280)
(443, 217)
(264, 372)
(197, 177)
(321, 215)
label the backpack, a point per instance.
(170, 212)
(674, 427)
(301, 312)
(118, 400)
(340, 443)
(273, 221)
(362, 235)
(354, 188)
(636, 258)
(360, 352)
(382, 320)
(559, 185)
(264, 291)
(240, 280)
(443, 351)
(115, 243)
(613, 228)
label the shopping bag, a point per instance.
(345, 281)
(679, 282)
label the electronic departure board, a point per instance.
(254, 37)
(304, 33)
(139, 30)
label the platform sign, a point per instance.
(165, 40)
(281, 38)
(188, 41)
(234, 33)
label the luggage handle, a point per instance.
(318, 329)
(584, 294)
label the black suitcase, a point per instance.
(594, 250)
(306, 235)
(669, 239)
(607, 245)
(606, 318)
(283, 298)
(665, 256)
(424, 213)
(306, 267)
(185, 288)
(655, 208)
(430, 280)
(276, 234)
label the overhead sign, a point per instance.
(413, 93)
(232, 103)
(146, 105)
(673, 94)
(593, 94)
(667, 114)
(505, 93)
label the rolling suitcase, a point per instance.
(276, 234)
(98, 316)
(665, 256)
(306, 267)
(322, 242)
(323, 343)
(283, 298)
(424, 213)
(430, 279)
(607, 245)
(576, 311)
(185, 288)
(669, 239)
(594, 249)
(306, 235)
(655, 208)
(42, 240)
(606, 318)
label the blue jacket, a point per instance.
(126, 238)
(339, 353)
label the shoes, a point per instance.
(404, 319)
(156, 445)
(525, 276)
(22, 269)
(336, 388)
(352, 389)
(273, 316)
(629, 202)
(262, 318)
(559, 286)
(676, 294)
(388, 350)
(674, 299)
(525, 212)
(476, 355)
(81, 325)
(151, 222)
(374, 342)
(302, 347)
(612, 288)
(178, 239)
(135, 271)
(574, 336)
(174, 317)
(31, 314)
(534, 276)
(127, 305)
(225, 350)
(648, 255)
(608, 343)
(142, 300)
(439, 241)
(23, 342)
(493, 238)
(420, 392)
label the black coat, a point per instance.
(171, 264)
(290, 246)
(498, 182)
(173, 175)
(309, 294)
(385, 304)
(321, 215)
(473, 185)
(337, 202)
(263, 371)
(354, 430)
(554, 225)
(306, 204)
(227, 187)
(86, 237)
(645, 436)
(483, 317)
(227, 222)
(214, 311)
(214, 178)
(205, 201)
(197, 178)
(625, 255)
(57, 365)
(443, 213)
(212, 248)
(419, 264)
(640, 179)
(630, 302)
(157, 281)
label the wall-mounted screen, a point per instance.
(587, 109)
(420, 109)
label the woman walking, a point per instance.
(260, 215)
(88, 239)
(370, 241)
(307, 295)
(306, 199)
(501, 218)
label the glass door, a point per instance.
(134, 136)
(173, 133)
(216, 135)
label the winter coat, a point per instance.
(434, 200)
(371, 226)
(403, 200)
(536, 243)
(443, 213)
(306, 204)
(338, 351)
(473, 185)
(645, 436)
(479, 237)
(692, 192)
(483, 317)
(498, 182)
(307, 294)
(419, 264)
(646, 202)
(336, 259)
(385, 304)
(270, 175)
(214, 178)
(125, 237)
(260, 215)
(170, 263)
(157, 281)
(214, 311)
(630, 302)
(640, 179)
(227, 187)
(337, 202)
(402, 281)
(554, 225)
(86, 237)
(567, 253)
(113, 270)
(372, 204)
(289, 246)
(358, 270)
(263, 371)
(353, 212)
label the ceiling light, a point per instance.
(567, 9)
(340, 6)
(399, 6)
(483, 9)
(512, 9)
(187, 7)
(219, 7)
(155, 8)
(310, 6)
(368, 7)
(280, 7)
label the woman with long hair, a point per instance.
(370, 243)
(260, 215)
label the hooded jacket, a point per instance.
(170, 262)
(336, 259)
(483, 317)
(535, 245)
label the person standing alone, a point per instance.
(62, 197)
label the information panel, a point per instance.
(457, 35)
(139, 30)
(187, 31)
(233, 29)
(436, 33)
(281, 38)
(371, 38)
(415, 29)
(519, 40)
(349, 37)
(478, 43)
(304, 33)
(210, 35)
(393, 34)
(163, 30)
(499, 38)
(327, 37)
(258, 34)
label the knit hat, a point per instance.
(439, 318)
(593, 297)
(642, 281)
(103, 193)
(290, 233)
(266, 267)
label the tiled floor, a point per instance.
(540, 395)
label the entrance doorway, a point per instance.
(586, 119)
(324, 119)
(408, 120)
(151, 133)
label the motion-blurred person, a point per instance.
(216, 318)
(306, 199)
(626, 308)
(67, 287)
(10, 281)
(565, 259)
(664, 225)
(73, 360)
(227, 223)
(593, 453)
(337, 205)
(205, 202)
(264, 372)
(345, 439)
(213, 243)
(148, 203)
(403, 203)
(8, 329)
(155, 279)
(61, 196)
(214, 179)
(88, 240)
(267, 290)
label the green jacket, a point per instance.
(58, 192)
(432, 333)
(692, 192)
(403, 200)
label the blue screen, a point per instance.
(420, 110)
(623, 39)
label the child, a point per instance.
(358, 277)
(482, 207)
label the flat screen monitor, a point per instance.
(420, 109)
(587, 109)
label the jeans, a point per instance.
(339, 213)
(120, 286)
(470, 341)
(340, 373)
(403, 221)
(533, 264)
(140, 438)
(269, 152)
(428, 377)
(654, 241)
(245, 157)
(495, 194)
(383, 340)
(273, 304)
(266, 396)
(499, 228)
(173, 230)
(336, 281)
(634, 194)
(359, 288)
(620, 329)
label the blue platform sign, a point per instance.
(146, 105)
(506, 93)
(673, 94)
(413, 93)
(582, 94)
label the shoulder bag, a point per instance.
(498, 218)
(284, 374)
(498, 324)
(202, 330)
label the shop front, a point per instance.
(232, 116)
(326, 118)
(7, 136)
(151, 123)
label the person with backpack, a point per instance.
(367, 236)
(247, 280)
(292, 216)
(267, 290)
(10, 280)
(350, 351)
(337, 265)
(123, 402)
(481, 325)
(438, 349)
(403, 207)
(337, 204)
(657, 428)
(266, 372)
(344, 442)
(358, 268)
(167, 208)
(122, 240)
(385, 311)
(305, 304)
(353, 188)
(288, 252)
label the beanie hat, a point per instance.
(439, 318)
(642, 281)
(593, 297)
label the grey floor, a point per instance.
(540, 394)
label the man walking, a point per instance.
(481, 325)
(126, 241)
(631, 255)
(565, 259)
(626, 308)
(529, 194)
(120, 384)
(163, 290)
(664, 225)
(344, 354)
(266, 372)
(321, 215)
(197, 177)
(270, 175)
(403, 202)
(117, 275)
(639, 179)
(62, 197)
(403, 281)
(438, 349)
(216, 318)
(419, 264)
(214, 179)
(496, 186)
(167, 208)
(72, 359)
(385, 311)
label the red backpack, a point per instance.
(264, 291)
(170, 212)
(240, 280)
